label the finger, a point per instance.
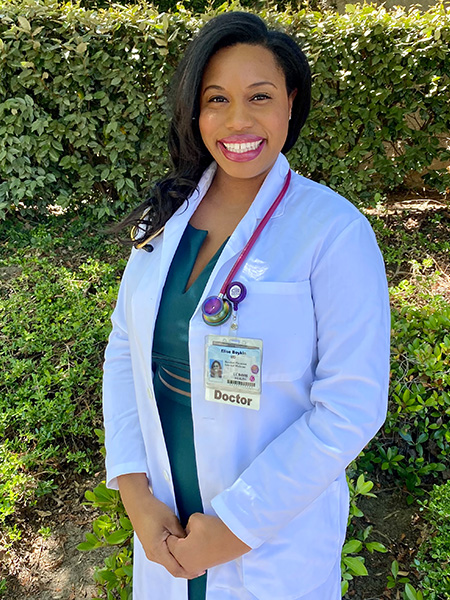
(194, 521)
(176, 529)
(172, 563)
(171, 542)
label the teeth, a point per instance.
(241, 148)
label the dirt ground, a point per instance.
(50, 567)
(398, 526)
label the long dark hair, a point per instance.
(187, 151)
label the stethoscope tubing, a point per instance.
(249, 245)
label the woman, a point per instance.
(244, 476)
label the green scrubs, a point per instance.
(172, 376)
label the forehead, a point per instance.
(242, 64)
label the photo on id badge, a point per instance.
(233, 371)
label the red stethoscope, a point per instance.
(218, 309)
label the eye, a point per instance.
(217, 99)
(261, 96)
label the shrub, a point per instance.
(432, 561)
(54, 316)
(414, 443)
(82, 99)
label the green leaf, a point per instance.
(24, 23)
(81, 48)
(375, 547)
(118, 537)
(86, 546)
(410, 592)
(356, 565)
(352, 546)
(394, 569)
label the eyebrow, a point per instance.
(252, 85)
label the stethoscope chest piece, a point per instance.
(216, 310)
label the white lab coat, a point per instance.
(317, 297)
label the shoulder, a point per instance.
(319, 202)
(320, 218)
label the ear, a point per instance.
(291, 99)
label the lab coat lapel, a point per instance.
(177, 223)
(268, 192)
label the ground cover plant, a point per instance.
(59, 277)
(433, 557)
(52, 283)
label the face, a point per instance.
(244, 110)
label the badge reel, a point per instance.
(218, 309)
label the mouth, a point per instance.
(241, 150)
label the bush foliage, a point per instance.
(83, 109)
(414, 444)
(432, 561)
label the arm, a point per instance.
(153, 522)
(348, 394)
(125, 451)
(126, 461)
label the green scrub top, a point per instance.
(172, 376)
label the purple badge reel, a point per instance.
(217, 310)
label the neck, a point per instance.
(236, 192)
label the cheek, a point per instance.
(206, 126)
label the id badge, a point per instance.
(233, 370)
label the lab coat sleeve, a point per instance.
(348, 393)
(125, 451)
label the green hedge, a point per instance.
(82, 107)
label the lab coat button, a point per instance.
(150, 393)
(166, 475)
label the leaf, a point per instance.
(24, 24)
(394, 569)
(356, 565)
(375, 547)
(118, 537)
(410, 592)
(81, 48)
(128, 570)
(352, 546)
(86, 546)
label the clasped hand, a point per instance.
(208, 543)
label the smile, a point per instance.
(242, 151)
(241, 148)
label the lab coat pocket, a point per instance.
(282, 315)
(301, 556)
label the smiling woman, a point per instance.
(228, 438)
(244, 113)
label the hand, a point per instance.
(153, 523)
(208, 543)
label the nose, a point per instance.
(239, 116)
